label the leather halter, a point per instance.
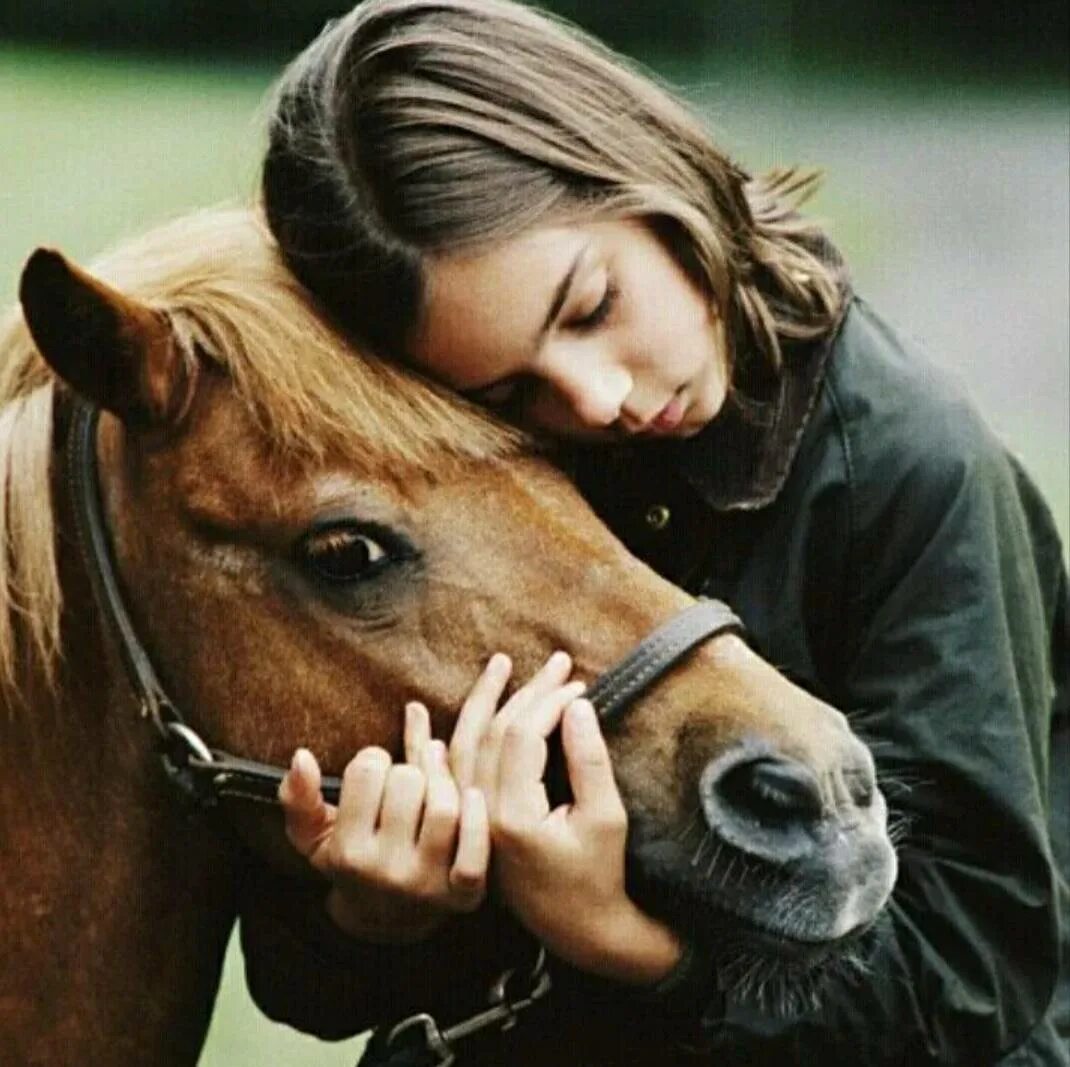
(206, 774)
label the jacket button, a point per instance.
(657, 516)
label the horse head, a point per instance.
(307, 537)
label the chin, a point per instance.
(691, 429)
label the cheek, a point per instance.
(662, 333)
(548, 412)
(677, 318)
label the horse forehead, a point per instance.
(237, 486)
(227, 468)
(237, 479)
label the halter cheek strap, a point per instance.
(206, 774)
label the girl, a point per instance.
(492, 197)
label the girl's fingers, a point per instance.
(308, 816)
(438, 831)
(363, 783)
(550, 676)
(521, 793)
(417, 732)
(511, 759)
(485, 776)
(520, 797)
(468, 876)
(479, 729)
(544, 683)
(544, 716)
(590, 771)
(402, 805)
(476, 715)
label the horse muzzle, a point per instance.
(814, 859)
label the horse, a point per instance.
(306, 536)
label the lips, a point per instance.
(670, 416)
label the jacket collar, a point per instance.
(742, 459)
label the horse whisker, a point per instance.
(713, 860)
(691, 825)
(696, 859)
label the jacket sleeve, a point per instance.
(302, 971)
(956, 676)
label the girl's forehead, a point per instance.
(485, 310)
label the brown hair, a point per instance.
(415, 127)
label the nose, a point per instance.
(774, 807)
(593, 388)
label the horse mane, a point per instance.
(219, 278)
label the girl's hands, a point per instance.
(409, 843)
(404, 848)
(561, 872)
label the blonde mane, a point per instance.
(218, 276)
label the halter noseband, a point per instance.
(205, 774)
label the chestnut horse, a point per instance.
(307, 537)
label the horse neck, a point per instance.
(115, 902)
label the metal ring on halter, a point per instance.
(192, 740)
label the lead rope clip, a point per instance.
(503, 1011)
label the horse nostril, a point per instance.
(776, 792)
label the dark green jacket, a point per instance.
(887, 552)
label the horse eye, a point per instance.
(342, 554)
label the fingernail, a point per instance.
(498, 662)
(300, 756)
(438, 750)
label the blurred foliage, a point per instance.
(1027, 38)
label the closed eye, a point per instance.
(600, 312)
(510, 394)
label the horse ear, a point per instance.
(116, 352)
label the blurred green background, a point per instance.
(945, 141)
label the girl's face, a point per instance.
(584, 331)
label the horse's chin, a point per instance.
(759, 958)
